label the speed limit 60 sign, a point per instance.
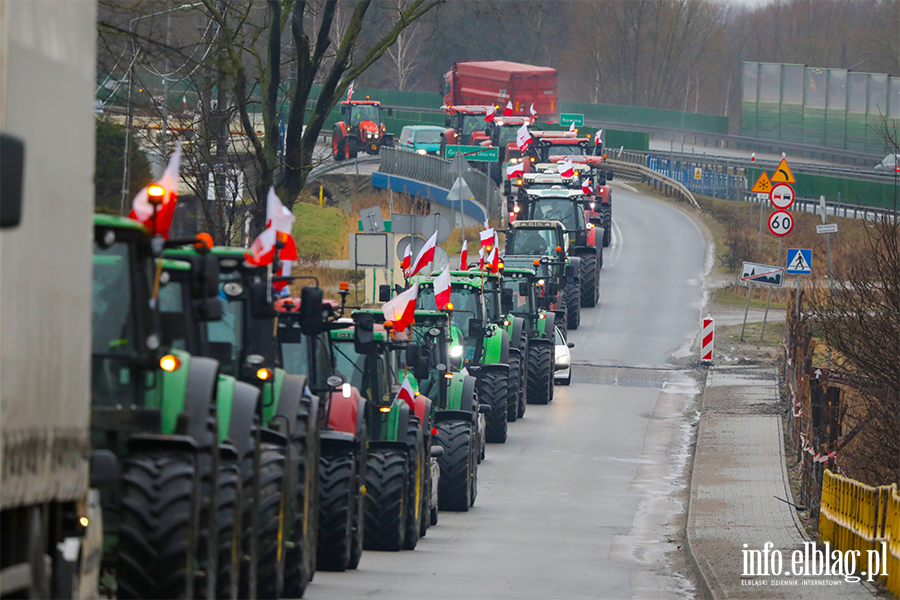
(781, 222)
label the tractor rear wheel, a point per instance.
(540, 369)
(160, 508)
(415, 488)
(338, 145)
(337, 480)
(387, 476)
(492, 389)
(589, 281)
(271, 518)
(457, 464)
(562, 320)
(300, 560)
(223, 531)
(573, 305)
(512, 402)
(606, 214)
(359, 516)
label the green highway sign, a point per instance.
(568, 119)
(475, 153)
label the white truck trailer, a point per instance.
(50, 530)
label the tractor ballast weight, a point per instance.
(359, 130)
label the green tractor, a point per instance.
(538, 334)
(398, 457)
(168, 479)
(543, 246)
(277, 439)
(458, 417)
(482, 346)
(306, 349)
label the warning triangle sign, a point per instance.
(783, 173)
(762, 185)
(799, 263)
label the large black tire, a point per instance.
(359, 516)
(589, 289)
(512, 402)
(573, 305)
(492, 389)
(562, 319)
(387, 475)
(160, 508)
(607, 226)
(226, 524)
(270, 533)
(338, 145)
(337, 506)
(300, 559)
(540, 369)
(458, 464)
(415, 488)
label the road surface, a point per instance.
(587, 497)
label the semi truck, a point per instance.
(49, 515)
(498, 82)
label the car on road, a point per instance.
(563, 374)
(421, 139)
(890, 163)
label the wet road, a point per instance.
(586, 498)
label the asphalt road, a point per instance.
(586, 498)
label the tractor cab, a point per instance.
(360, 129)
(362, 113)
(468, 124)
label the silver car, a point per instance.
(890, 163)
(563, 373)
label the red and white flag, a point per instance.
(426, 255)
(493, 260)
(350, 91)
(566, 169)
(572, 126)
(464, 257)
(480, 258)
(514, 171)
(160, 220)
(401, 309)
(753, 157)
(531, 110)
(586, 186)
(407, 259)
(262, 250)
(489, 117)
(279, 217)
(523, 138)
(597, 139)
(406, 393)
(184, 101)
(508, 111)
(442, 288)
(487, 237)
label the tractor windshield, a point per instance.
(472, 123)
(465, 299)
(173, 321)
(364, 112)
(565, 210)
(540, 242)
(295, 353)
(508, 135)
(112, 325)
(436, 346)
(563, 150)
(226, 335)
(521, 303)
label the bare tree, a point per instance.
(405, 53)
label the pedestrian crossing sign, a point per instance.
(799, 261)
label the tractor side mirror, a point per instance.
(205, 277)
(419, 360)
(447, 122)
(524, 288)
(476, 328)
(552, 288)
(364, 334)
(390, 112)
(311, 310)
(601, 178)
(384, 292)
(207, 309)
(507, 187)
(570, 270)
(487, 131)
(261, 306)
(12, 173)
(506, 300)
(484, 409)
(598, 221)
(609, 175)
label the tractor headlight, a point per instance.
(456, 351)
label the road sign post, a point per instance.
(768, 275)
(826, 228)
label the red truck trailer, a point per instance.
(496, 82)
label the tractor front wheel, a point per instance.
(458, 465)
(271, 522)
(512, 402)
(589, 279)
(540, 369)
(338, 145)
(415, 489)
(337, 478)
(573, 306)
(492, 389)
(387, 476)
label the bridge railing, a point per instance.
(436, 171)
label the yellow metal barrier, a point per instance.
(856, 516)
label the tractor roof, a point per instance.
(466, 109)
(175, 265)
(510, 121)
(536, 224)
(118, 222)
(583, 160)
(516, 271)
(361, 102)
(563, 141)
(556, 193)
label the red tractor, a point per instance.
(466, 125)
(360, 129)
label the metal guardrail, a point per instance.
(436, 171)
(333, 165)
(640, 172)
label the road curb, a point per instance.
(706, 589)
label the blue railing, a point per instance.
(710, 183)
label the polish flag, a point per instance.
(508, 111)
(572, 126)
(566, 169)
(350, 91)
(407, 257)
(523, 138)
(586, 186)
(160, 220)
(426, 255)
(442, 288)
(487, 237)
(531, 110)
(401, 309)
(406, 393)
(489, 117)
(753, 157)
(597, 137)
(513, 171)
(464, 257)
(493, 260)
(262, 250)
(184, 101)
(481, 259)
